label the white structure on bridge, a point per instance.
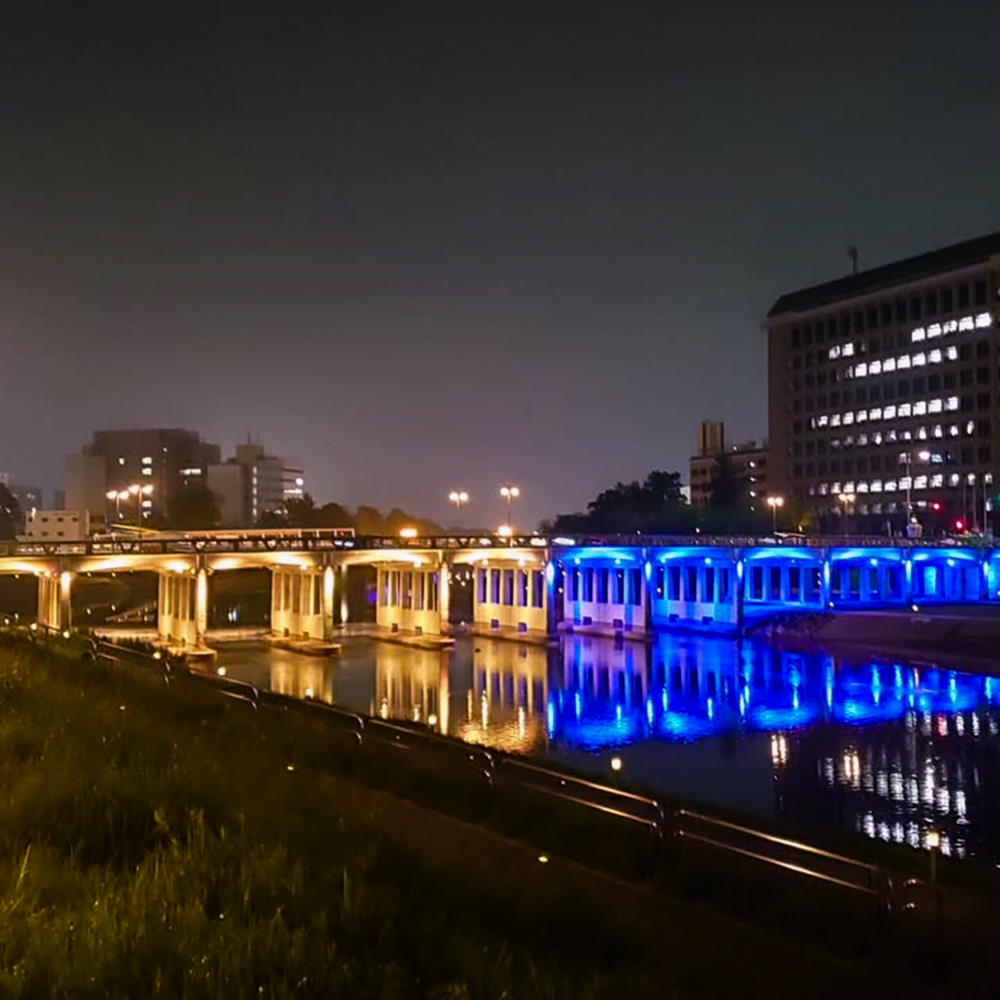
(525, 586)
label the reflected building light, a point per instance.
(943, 800)
(960, 806)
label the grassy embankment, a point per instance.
(148, 847)
(156, 842)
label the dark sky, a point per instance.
(450, 245)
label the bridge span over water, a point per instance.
(529, 585)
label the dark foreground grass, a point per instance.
(143, 852)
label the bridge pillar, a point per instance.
(328, 605)
(177, 609)
(443, 595)
(299, 608)
(201, 606)
(413, 598)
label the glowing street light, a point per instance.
(774, 503)
(505, 531)
(510, 494)
(458, 497)
(846, 500)
(408, 533)
(136, 490)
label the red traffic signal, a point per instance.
(959, 524)
(936, 505)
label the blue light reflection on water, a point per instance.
(887, 748)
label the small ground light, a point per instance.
(291, 767)
(432, 720)
(221, 671)
(616, 763)
(543, 859)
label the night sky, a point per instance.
(456, 245)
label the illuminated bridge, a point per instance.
(522, 585)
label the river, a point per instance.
(889, 749)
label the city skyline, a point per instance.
(423, 254)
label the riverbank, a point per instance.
(966, 640)
(221, 865)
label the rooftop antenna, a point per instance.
(852, 252)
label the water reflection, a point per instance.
(890, 749)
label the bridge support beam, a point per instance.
(513, 597)
(413, 598)
(302, 602)
(54, 608)
(182, 608)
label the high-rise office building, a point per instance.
(883, 391)
(253, 484)
(144, 468)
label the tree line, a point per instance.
(657, 506)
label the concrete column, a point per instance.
(327, 603)
(443, 596)
(739, 590)
(201, 606)
(65, 603)
(549, 597)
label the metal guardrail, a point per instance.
(676, 826)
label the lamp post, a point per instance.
(846, 499)
(458, 497)
(139, 492)
(774, 503)
(117, 496)
(510, 494)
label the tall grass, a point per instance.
(152, 848)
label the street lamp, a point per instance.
(117, 496)
(510, 494)
(458, 497)
(139, 492)
(846, 499)
(774, 503)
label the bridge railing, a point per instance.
(319, 541)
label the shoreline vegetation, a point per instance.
(161, 844)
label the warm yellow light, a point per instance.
(458, 497)
(616, 763)
(933, 839)
(505, 531)
(408, 533)
(112, 494)
(510, 492)
(776, 501)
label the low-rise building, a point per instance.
(747, 460)
(57, 525)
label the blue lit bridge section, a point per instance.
(634, 591)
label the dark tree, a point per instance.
(10, 514)
(194, 508)
(655, 506)
(728, 487)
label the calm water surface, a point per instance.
(886, 748)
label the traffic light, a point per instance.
(959, 524)
(936, 506)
